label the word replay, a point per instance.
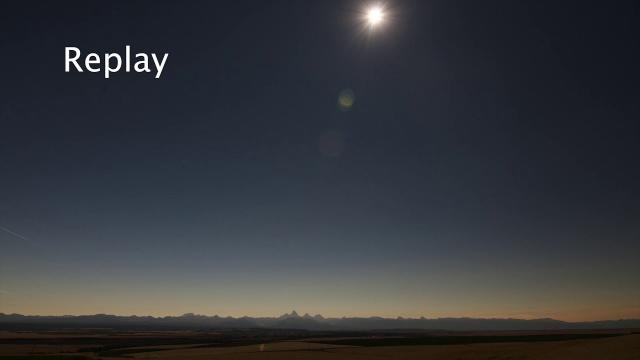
(112, 62)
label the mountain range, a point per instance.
(304, 322)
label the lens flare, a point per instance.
(375, 16)
(346, 98)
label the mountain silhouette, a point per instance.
(306, 322)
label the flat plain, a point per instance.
(269, 344)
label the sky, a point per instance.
(487, 165)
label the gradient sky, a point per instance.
(488, 167)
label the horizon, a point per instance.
(295, 313)
(350, 157)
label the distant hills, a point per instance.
(295, 321)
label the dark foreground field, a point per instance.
(295, 344)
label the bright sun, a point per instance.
(375, 15)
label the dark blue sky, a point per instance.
(488, 166)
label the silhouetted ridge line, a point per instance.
(306, 322)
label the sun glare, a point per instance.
(375, 16)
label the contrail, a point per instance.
(14, 234)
